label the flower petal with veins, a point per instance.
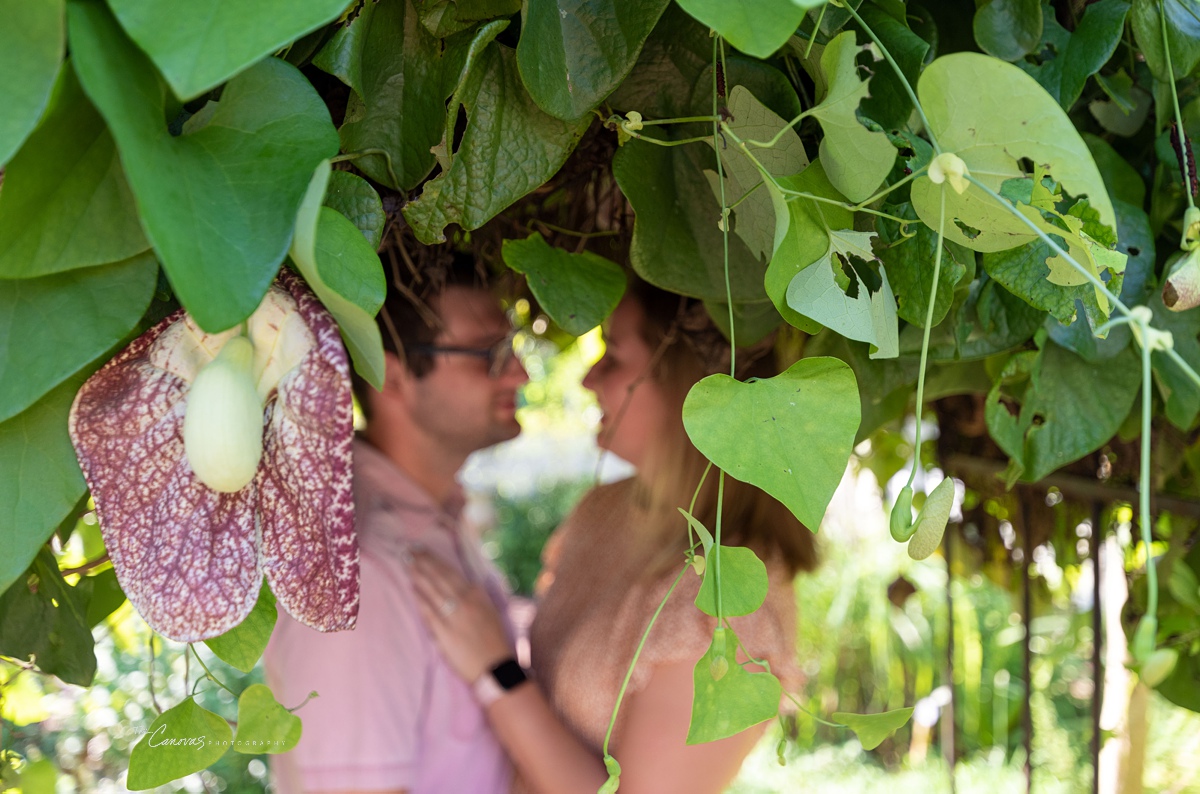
(191, 560)
(186, 556)
(309, 547)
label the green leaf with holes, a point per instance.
(510, 146)
(400, 76)
(65, 202)
(855, 158)
(790, 435)
(991, 137)
(243, 645)
(1068, 407)
(354, 197)
(743, 582)
(219, 202)
(184, 739)
(200, 44)
(726, 699)
(263, 725)
(573, 53)
(757, 29)
(577, 290)
(36, 457)
(872, 729)
(851, 308)
(345, 273)
(31, 49)
(41, 348)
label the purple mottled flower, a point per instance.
(190, 558)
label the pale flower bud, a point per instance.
(1181, 288)
(223, 426)
(949, 166)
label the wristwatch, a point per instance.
(496, 682)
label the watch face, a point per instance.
(508, 674)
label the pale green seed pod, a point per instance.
(223, 426)
(1158, 666)
(901, 521)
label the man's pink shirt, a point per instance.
(391, 713)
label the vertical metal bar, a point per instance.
(950, 722)
(1026, 621)
(1097, 541)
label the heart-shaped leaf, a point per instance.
(872, 729)
(790, 435)
(219, 202)
(243, 645)
(344, 271)
(65, 202)
(743, 582)
(757, 29)
(183, 740)
(855, 158)
(931, 521)
(726, 699)
(31, 48)
(264, 726)
(200, 44)
(577, 290)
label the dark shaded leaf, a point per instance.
(573, 53)
(510, 147)
(218, 203)
(55, 325)
(43, 617)
(40, 481)
(65, 202)
(31, 47)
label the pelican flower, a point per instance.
(263, 412)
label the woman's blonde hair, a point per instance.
(686, 347)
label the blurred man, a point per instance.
(391, 716)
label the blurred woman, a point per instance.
(614, 558)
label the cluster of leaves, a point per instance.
(858, 170)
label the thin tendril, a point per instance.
(715, 552)
(816, 27)
(1144, 484)
(1188, 163)
(208, 673)
(937, 271)
(636, 654)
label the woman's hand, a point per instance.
(461, 617)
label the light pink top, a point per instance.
(391, 713)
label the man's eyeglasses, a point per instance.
(497, 356)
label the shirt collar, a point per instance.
(395, 485)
